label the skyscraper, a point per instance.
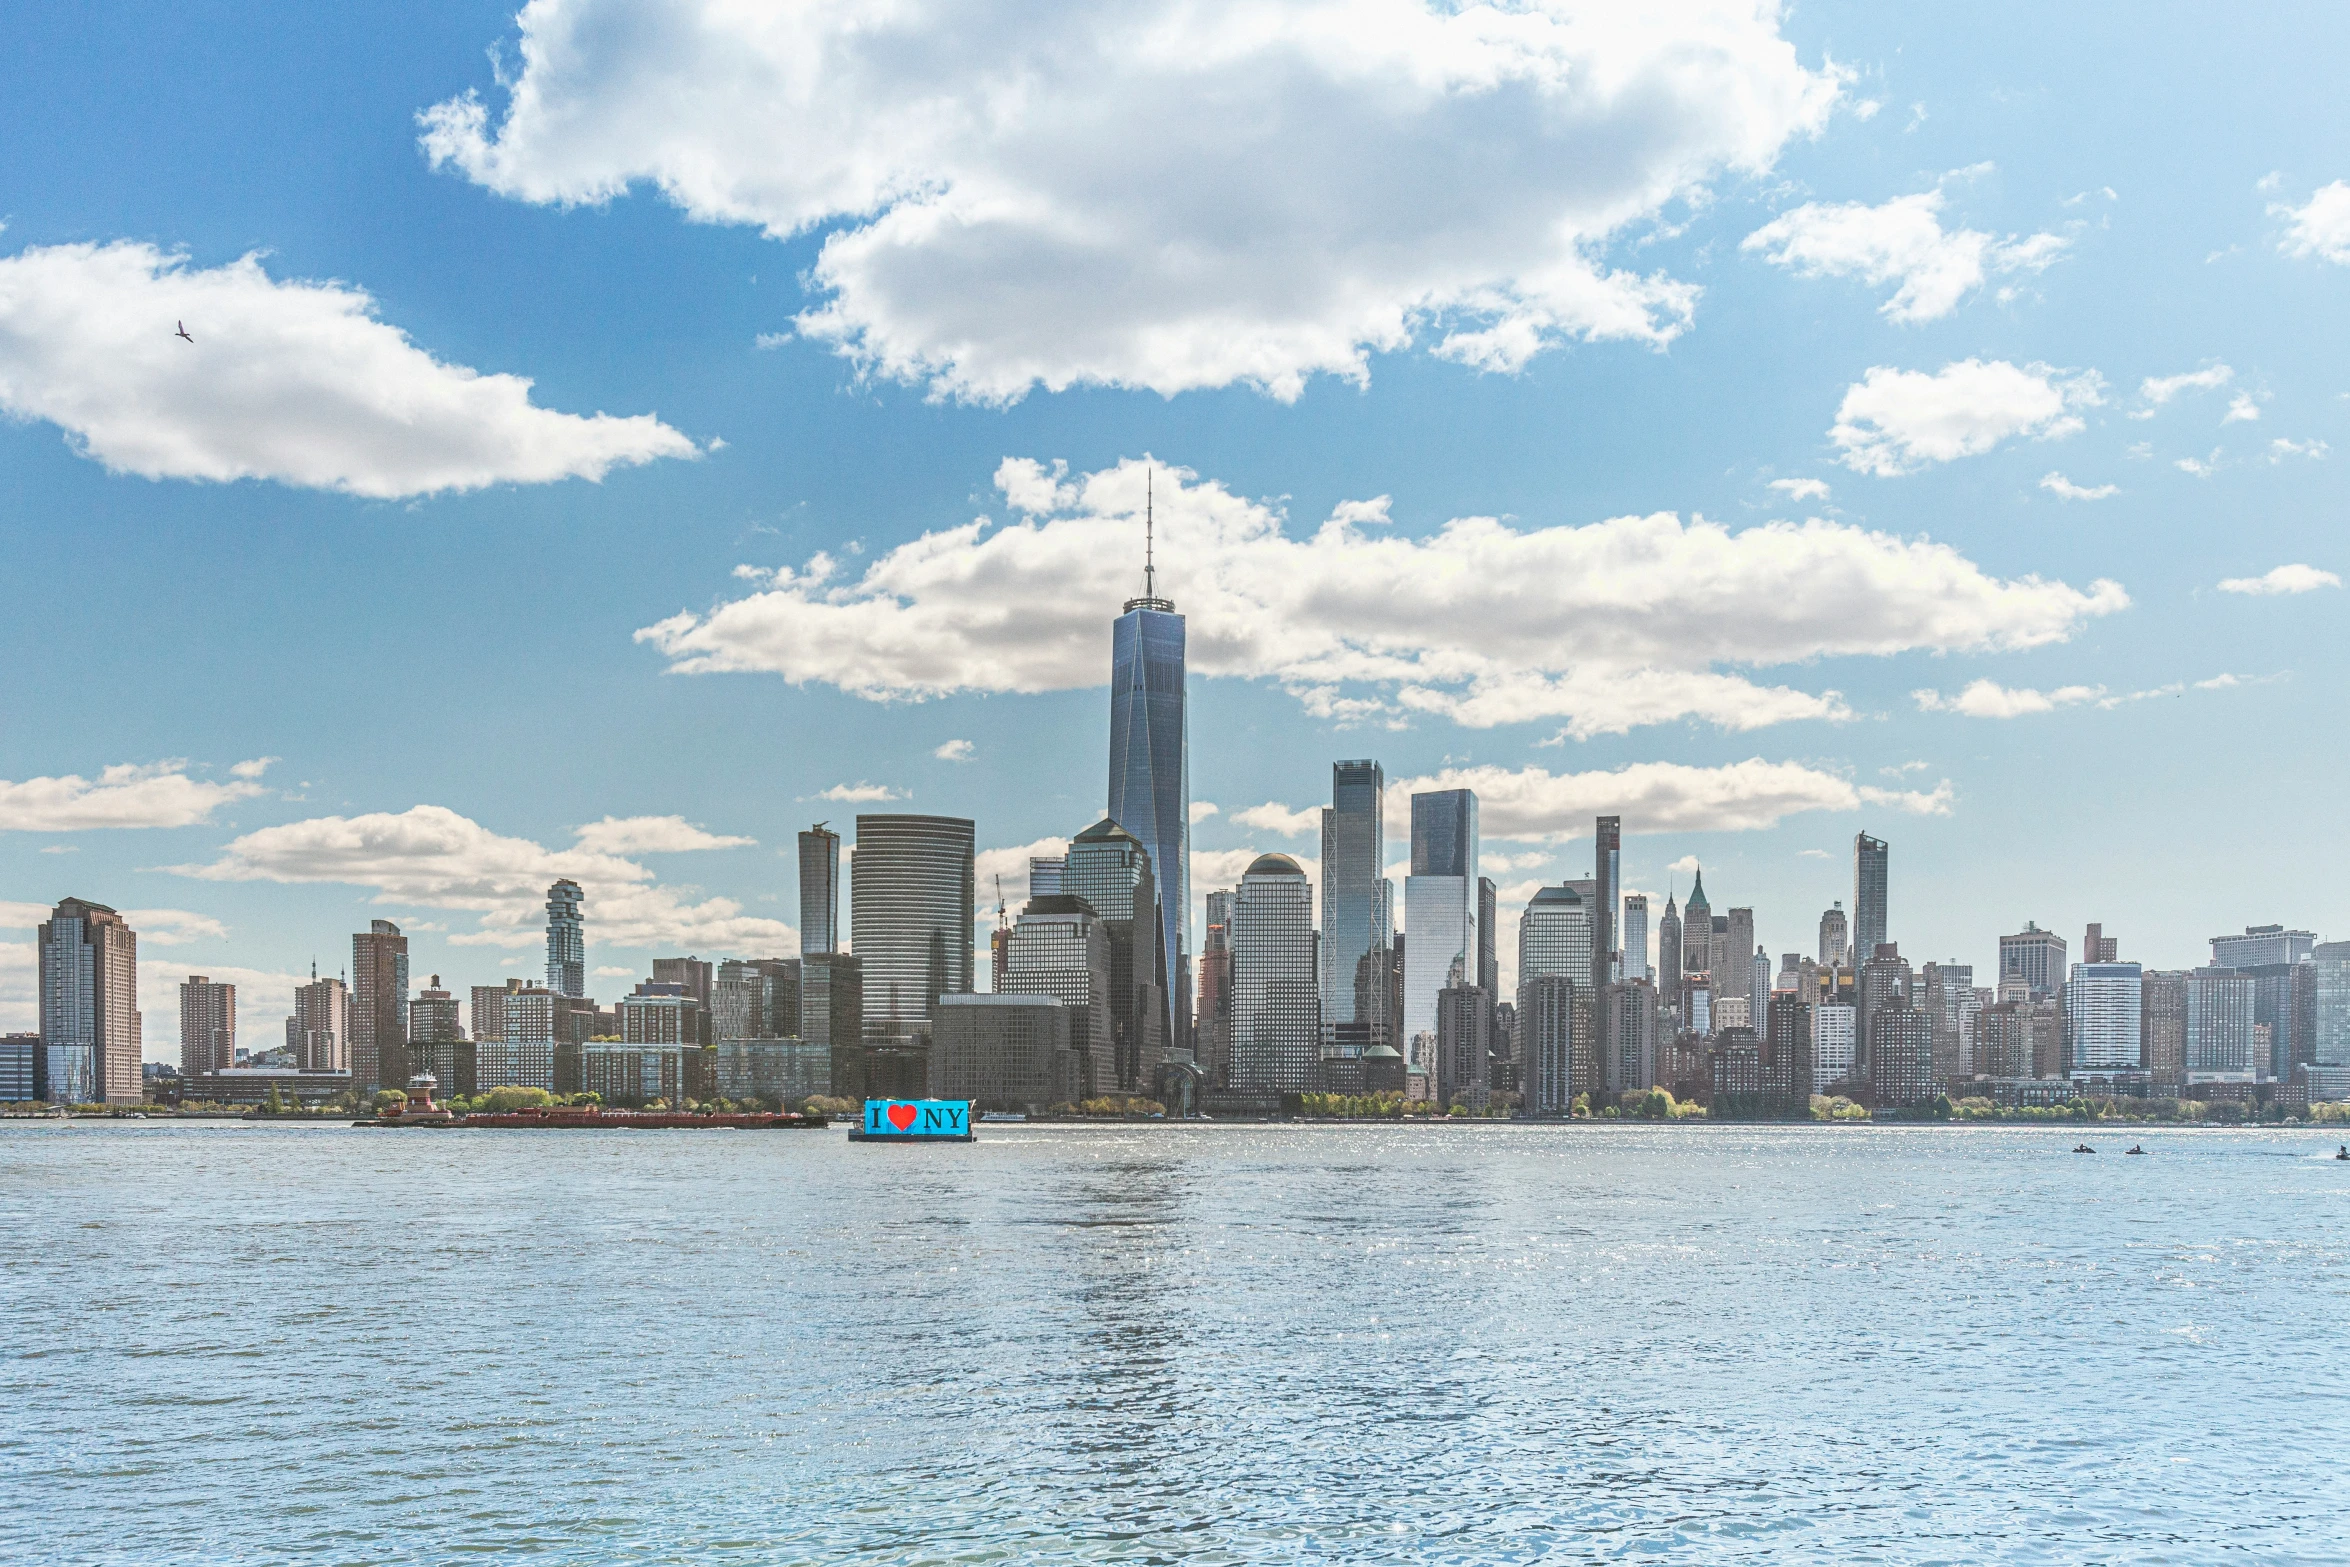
(1868, 894)
(1636, 936)
(2106, 1005)
(2098, 947)
(1150, 768)
(566, 940)
(1733, 967)
(1061, 948)
(1464, 1045)
(1439, 914)
(379, 1007)
(2260, 946)
(318, 1031)
(1835, 939)
(1668, 958)
(1697, 930)
(1607, 871)
(1564, 1052)
(1212, 1022)
(1276, 992)
(910, 917)
(819, 889)
(1884, 983)
(1355, 937)
(2162, 1025)
(1110, 870)
(208, 1026)
(90, 1024)
(2219, 1026)
(2034, 956)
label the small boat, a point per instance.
(2133, 1148)
(2344, 1153)
(2083, 1148)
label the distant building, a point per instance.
(2036, 957)
(1007, 1052)
(20, 1067)
(1464, 1045)
(2261, 946)
(523, 1055)
(1697, 930)
(566, 940)
(2104, 1003)
(1885, 981)
(1044, 874)
(1835, 1041)
(1607, 872)
(1150, 773)
(2329, 1042)
(1356, 909)
(1869, 856)
(832, 1016)
(1789, 1066)
(1737, 1065)
(1061, 949)
(1733, 969)
(1835, 939)
(698, 978)
(1629, 1038)
(657, 1013)
(1668, 959)
(437, 1042)
(1440, 910)
(910, 921)
(779, 1071)
(2219, 1026)
(1548, 1007)
(1635, 964)
(1901, 1055)
(2098, 947)
(91, 1048)
(379, 1007)
(2284, 1000)
(208, 1026)
(1110, 869)
(2162, 1024)
(489, 1009)
(318, 1031)
(638, 1072)
(819, 890)
(1212, 1017)
(1276, 989)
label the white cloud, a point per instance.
(1274, 817)
(174, 927)
(955, 751)
(2200, 467)
(292, 381)
(1169, 194)
(429, 856)
(652, 835)
(1607, 625)
(1655, 797)
(2280, 449)
(615, 971)
(1901, 242)
(1989, 699)
(2284, 579)
(158, 794)
(1010, 864)
(1201, 810)
(253, 769)
(1802, 489)
(1895, 421)
(1687, 865)
(2057, 484)
(2158, 390)
(2242, 408)
(860, 793)
(2321, 227)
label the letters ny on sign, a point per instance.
(917, 1118)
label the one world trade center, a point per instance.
(1150, 773)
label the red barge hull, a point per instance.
(589, 1118)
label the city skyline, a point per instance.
(773, 591)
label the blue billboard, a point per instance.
(915, 1121)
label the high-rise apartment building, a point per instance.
(2162, 1026)
(910, 918)
(1061, 948)
(318, 1031)
(566, 940)
(2219, 1027)
(1464, 1045)
(379, 1008)
(523, 1055)
(1868, 894)
(1212, 1021)
(2036, 957)
(433, 1016)
(208, 1026)
(2260, 946)
(1901, 1055)
(1150, 769)
(1548, 1007)
(90, 1023)
(1835, 938)
(1636, 936)
(2003, 1041)
(2105, 1003)
(1440, 914)
(2098, 947)
(819, 889)
(1885, 981)
(1630, 1033)
(1949, 1003)
(1276, 986)
(2329, 1035)
(2283, 1001)
(697, 976)
(1789, 1065)
(1357, 942)
(1607, 869)
(832, 1016)
(1110, 869)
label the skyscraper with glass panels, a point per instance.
(1868, 895)
(1439, 913)
(566, 940)
(819, 889)
(1150, 770)
(910, 891)
(1357, 946)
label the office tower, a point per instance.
(1548, 1005)
(1884, 982)
(1635, 964)
(1835, 1044)
(1464, 1045)
(910, 919)
(780, 991)
(832, 1017)
(1788, 1063)
(1110, 869)
(819, 890)
(1555, 940)
(1061, 947)
(1150, 770)
(2098, 947)
(1356, 940)
(2282, 998)
(1733, 969)
(318, 1034)
(1835, 938)
(2162, 1028)
(1212, 1021)
(1044, 874)
(1630, 1033)
(90, 1023)
(1901, 1055)
(208, 1026)
(1488, 970)
(1868, 894)
(566, 940)
(1668, 958)
(2105, 1002)
(1758, 991)
(2260, 946)
(20, 1067)
(697, 977)
(2219, 1026)
(1608, 871)
(2329, 1034)
(1276, 990)
(523, 1055)
(1004, 1052)
(1697, 930)
(1440, 914)
(379, 1008)
(738, 1001)
(2036, 957)
(1949, 1002)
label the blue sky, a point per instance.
(1308, 260)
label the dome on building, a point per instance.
(1557, 895)
(1107, 829)
(1382, 1053)
(1275, 865)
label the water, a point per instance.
(1207, 1344)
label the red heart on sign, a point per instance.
(901, 1116)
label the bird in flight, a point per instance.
(183, 331)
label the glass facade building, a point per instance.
(566, 941)
(2105, 1002)
(1868, 894)
(2219, 1027)
(1276, 989)
(910, 917)
(1356, 943)
(819, 889)
(1150, 773)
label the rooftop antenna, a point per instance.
(1150, 487)
(999, 902)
